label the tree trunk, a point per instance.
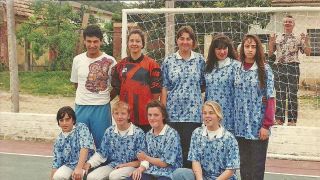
(13, 63)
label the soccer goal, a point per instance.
(160, 26)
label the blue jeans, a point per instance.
(183, 174)
(252, 158)
(97, 118)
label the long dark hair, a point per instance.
(219, 41)
(259, 57)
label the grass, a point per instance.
(41, 83)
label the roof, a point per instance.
(295, 2)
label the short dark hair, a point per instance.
(189, 30)
(140, 33)
(66, 110)
(161, 107)
(93, 31)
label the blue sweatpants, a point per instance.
(96, 117)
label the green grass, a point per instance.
(41, 83)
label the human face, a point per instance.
(155, 118)
(121, 116)
(221, 53)
(66, 123)
(288, 24)
(185, 43)
(250, 49)
(210, 118)
(135, 44)
(93, 46)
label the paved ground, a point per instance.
(22, 160)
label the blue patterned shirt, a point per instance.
(119, 149)
(220, 88)
(249, 108)
(216, 155)
(67, 148)
(167, 147)
(183, 80)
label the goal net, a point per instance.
(160, 26)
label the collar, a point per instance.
(163, 131)
(218, 133)
(137, 60)
(192, 56)
(130, 129)
(66, 134)
(253, 67)
(224, 62)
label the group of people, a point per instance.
(178, 137)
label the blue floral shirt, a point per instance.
(220, 88)
(183, 80)
(167, 147)
(67, 147)
(216, 155)
(249, 108)
(119, 149)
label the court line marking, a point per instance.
(44, 156)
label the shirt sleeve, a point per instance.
(269, 114)
(233, 157)
(172, 152)
(165, 74)
(115, 78)
(105, 144)
(202, 67)
(74, 72)
(57, 156)
(155, 79)
(270, 82)
(194, 152)
(85, 137)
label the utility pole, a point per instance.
(13, 63)
(170, 30)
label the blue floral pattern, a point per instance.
(220, 88)
(215, 156)
(249, 108)
(167, 147)
(66, 149)
(119, 149)
(183, 80)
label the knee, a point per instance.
(59, 176)
(183, 174)
(116, 176)
(92, 176)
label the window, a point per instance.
(314, 35)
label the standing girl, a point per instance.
(219, 75)
(137, 79)
(183, 76)
(253, 117)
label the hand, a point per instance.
(272, 39)
(137, 174)
(120, 166)
(264, 100)
(304, 39)
(77, 173)
(263, 134)
(142, 156)
(86, 167)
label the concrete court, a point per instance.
(21, 160)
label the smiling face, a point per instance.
(210, 118)
(221, 53)
(93, 45)
(288, 24)
(155, 117)
(135, 44)
(121, 116)
(250, 50)
(66, 123)
(185, 42)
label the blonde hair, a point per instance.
(216, 107)
(120, 105)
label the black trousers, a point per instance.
(287, 85)
(185, 130)
(253, 155)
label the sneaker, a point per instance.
(291, 123)
(278, 122)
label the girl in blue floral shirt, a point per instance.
(72, 147)
(163, 154)
(253, 115)
(120, 144)
(219, 74)
(213, 150)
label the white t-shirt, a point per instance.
(93, 76)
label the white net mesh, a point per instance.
(160, 26)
